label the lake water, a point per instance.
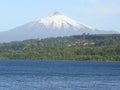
(59, 75)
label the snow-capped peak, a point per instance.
(57, 20)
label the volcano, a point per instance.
(54, 25)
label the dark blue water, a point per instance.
(59, 75)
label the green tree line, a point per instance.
(104, 47)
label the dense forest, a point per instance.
(78, 47)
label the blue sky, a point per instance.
(101, 14)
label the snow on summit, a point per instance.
(57, 20)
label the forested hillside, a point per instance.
(79, 47)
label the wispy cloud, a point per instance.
(90, 1)
(104, 10)
(99, 6)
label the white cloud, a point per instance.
(104, 10)
(91, 1)
(98, 7)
